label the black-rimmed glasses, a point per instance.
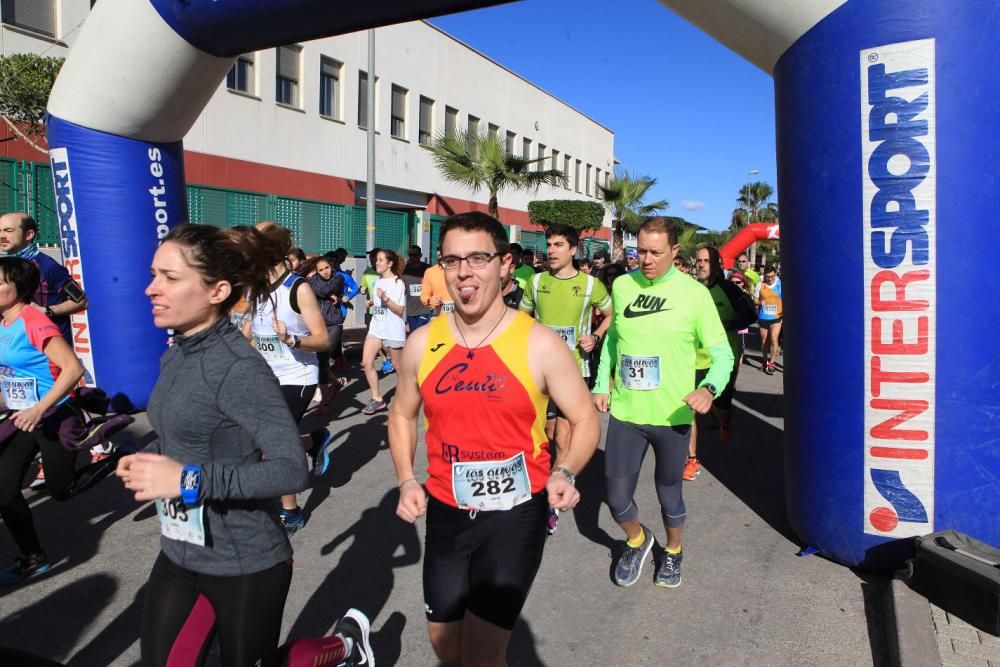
(475, 260)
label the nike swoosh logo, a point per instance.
(437, 347)
(639, 313)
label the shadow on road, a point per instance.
(54, 624)
(752, 465)
(363, 578)
(521, 651)
(592, 493)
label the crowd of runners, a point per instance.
(509, 357)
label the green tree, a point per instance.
(25, 83)
(624, 197)
(753, 205)
(481, 161)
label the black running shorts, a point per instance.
(298, 398)
(485, 565)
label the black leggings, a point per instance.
(15, 457)
(624, 450)
(336, 332)
(177, 626)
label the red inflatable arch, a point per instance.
(758, 231)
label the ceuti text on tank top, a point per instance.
(899, 153)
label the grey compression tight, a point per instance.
(624, 450)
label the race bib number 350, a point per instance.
(640, 373)
(180, 522)
(568, 334)
(491, 485)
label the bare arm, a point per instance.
(403, 429)
(318, 339)
(60, 354)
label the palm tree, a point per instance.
(480, 161)
(623, 196)
(753, 206)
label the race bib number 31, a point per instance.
(19, 393)
(640, 373)
(180, 522)
(491, 485)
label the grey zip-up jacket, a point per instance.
(218, 405)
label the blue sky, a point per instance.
(684, 108)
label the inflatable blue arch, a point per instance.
(887, 160)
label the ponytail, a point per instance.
(241, 256)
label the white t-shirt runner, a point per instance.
(385, 324)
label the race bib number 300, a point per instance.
(19, 393)
(491, 485)
(271, 347)
(640, 373)
(180, 522)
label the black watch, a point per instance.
(49, 313)
(597, 339)
(711, 389)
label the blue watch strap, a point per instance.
(191, 484)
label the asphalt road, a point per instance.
(746, 598)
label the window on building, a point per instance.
(567, 163)
(597, 184)
(556, 162)
(287, 79)
(492, 131)
(398, 112)
(526, 149)
(450, 122)
(576, 176)
(473, 127)
(587, 182)
(329, 88)
(425, 130)
(35, 15)
(540, 165)
(607, 178)
(363, 99)
(509, 145)
(240, 77)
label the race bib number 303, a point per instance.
(640, 373)
(491, 485)
(180, 522)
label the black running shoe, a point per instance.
(356, 626)
(24, 567)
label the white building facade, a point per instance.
(292, 121)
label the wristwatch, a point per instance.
(711, 389)
(565, 473)
(296, 341)
(48, 312)
(191, 484)
(597, 339)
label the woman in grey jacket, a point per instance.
(227, 448)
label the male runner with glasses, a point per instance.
(484, 374)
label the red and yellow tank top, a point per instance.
(481, 406)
